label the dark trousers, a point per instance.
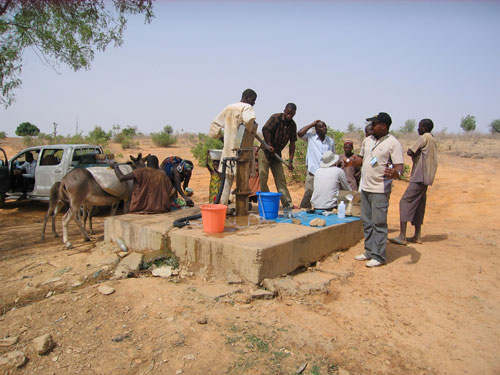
(374, 208)
(24, 183)
(412, 203)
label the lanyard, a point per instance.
(378, 142)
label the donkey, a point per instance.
(55, 204)
(77, 189)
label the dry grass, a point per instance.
(473, 145)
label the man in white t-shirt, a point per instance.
(317, 144)
(381, 157)
(229, 120)
(328, 180)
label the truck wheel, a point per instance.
(2, 200)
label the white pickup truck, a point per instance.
(52, 163)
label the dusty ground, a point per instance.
(433, 309)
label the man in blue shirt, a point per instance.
(317, 144)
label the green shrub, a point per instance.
(338, 137)
(409, 126)
(3, 135)
(406, 172)
(299, 172)
(494, 126)
(76, 139)
(30, 141)
(163, 139)
(468, 123)
(128, 142)
(130, 131)
(98, 136)
(199, 150)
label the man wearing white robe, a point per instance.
(229, 120)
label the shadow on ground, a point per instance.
(397, 251)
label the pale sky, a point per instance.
(338, 61)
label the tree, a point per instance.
(495, 126)
(409, 126)
(130, 131)
(468, 123)
(27, 128)
(98, 136)
(60, 31)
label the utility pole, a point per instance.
(54, 132)
(77, 126)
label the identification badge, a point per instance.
(373, 161)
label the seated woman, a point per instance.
(152, 189)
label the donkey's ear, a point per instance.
(132, 158)
(147, 156)
(139, 156)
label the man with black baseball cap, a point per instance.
(381, 157)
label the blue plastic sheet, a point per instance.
(306, 218)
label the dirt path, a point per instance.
(434, 309)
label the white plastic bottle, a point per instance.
(341, 210)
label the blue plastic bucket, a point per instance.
(269, 204)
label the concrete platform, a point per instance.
(254, 252)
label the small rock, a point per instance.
(55, 358)
(163, 271)
(106, 290)
(96, 274)
(121, 337)
(202, 320)
(8, 341)
(243, 298)
(62, 271)
(245, 307)
(342, 371)
(286, 286)
(121, 244)
(53, 280)
(131, 263)
(175, 272)
(178, 372)
(13, 359)
(77, 284)
(189, 357)
(233, 278)
(261, 294)
(269, 285)
(317, 222)
(122, 254)
(301, 368)
(50, 294)
(43, 344)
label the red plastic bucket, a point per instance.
(213, 217)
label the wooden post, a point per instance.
(245, 156)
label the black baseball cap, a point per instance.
(382, 117)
